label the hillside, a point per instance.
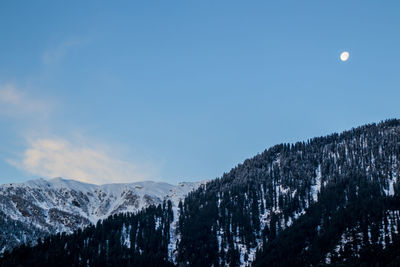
(41, 207)
(328, 200)
(332, 200)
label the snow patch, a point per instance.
(316, 187)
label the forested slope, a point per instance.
(330, 200)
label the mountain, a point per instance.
(331, 200)
(40, 207)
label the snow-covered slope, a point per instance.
(35, 208)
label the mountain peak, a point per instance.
(44, 206)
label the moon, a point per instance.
(344, 56)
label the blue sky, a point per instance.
(184, 90)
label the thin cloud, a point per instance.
(59, 157)
(65, 156)
(14, 102)
(57, 53)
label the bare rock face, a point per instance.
(40, 207)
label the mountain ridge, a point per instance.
(332, 200)
(64, 205)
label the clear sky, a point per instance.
(120, 91)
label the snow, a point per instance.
(88, 203)
(328, 258)
(103, 199)
(316, 188)
(125, 237)
(173, 236)
(390, 192)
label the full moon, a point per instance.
(344, 56)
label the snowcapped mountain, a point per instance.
(332, 200)
(38, 207)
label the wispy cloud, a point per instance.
(76, 160)
(48, 155)
(55, 54)
(14, 102)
